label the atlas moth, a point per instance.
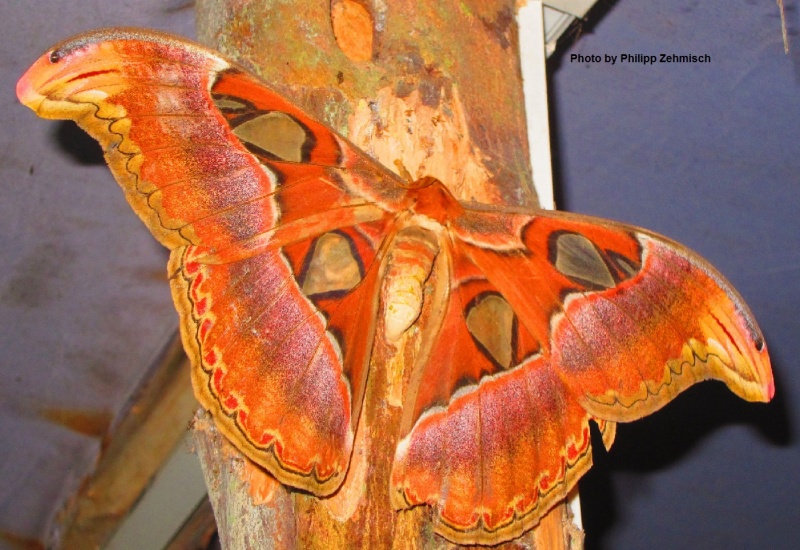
(284, 237)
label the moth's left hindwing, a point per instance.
(281, 235)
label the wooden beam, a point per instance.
(133, 453)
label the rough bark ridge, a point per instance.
(433, 87)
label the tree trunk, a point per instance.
(431, 87)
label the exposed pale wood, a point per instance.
(427, 83)
(557, 531)
(133, 453)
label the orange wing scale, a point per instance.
(281, 232)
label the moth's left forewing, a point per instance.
(602, 322)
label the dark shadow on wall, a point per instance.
(77, 144)
(658, 441)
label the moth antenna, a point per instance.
(404, 173)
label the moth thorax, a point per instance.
(409, 265)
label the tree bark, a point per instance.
(434, 87)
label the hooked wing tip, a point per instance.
(26, 93)
(769, 389)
